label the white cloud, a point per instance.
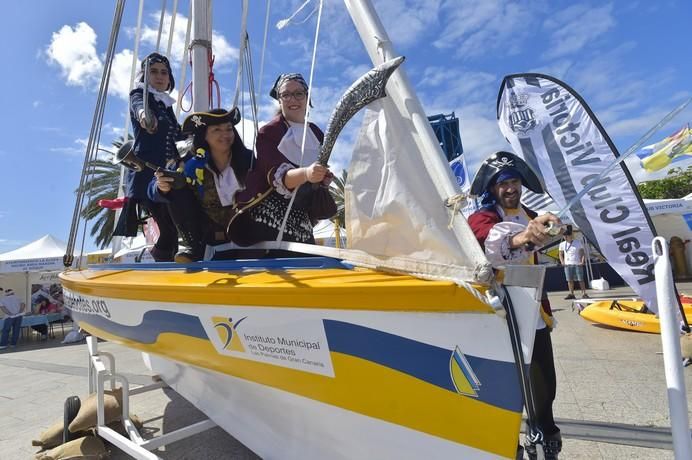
(573, 28)
(224, 52)
(74, 51)
(119, 84)
(476, 28)
(406, 21)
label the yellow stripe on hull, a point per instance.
(630, 317)
(360, 386)
(359, 289)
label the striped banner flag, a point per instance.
(537, 202)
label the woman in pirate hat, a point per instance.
(282, 166)
(214, 173)
(155, 135)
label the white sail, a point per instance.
(397, 211)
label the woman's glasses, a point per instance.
(297, 95)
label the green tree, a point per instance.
(101, 184)
(336, 188)
(677, 184)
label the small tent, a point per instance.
(37, 263)
(44, 254)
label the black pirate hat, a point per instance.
(201, 120)
(504, 161)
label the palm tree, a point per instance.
(336, 188)
(101, 184)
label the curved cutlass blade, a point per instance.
(368, 88)
(145, 95)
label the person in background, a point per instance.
(510, 234)
(14, 310)
(572, 258)
(215, 173)
(154, 143)
(282, 166)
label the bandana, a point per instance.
(283, 78)
(505, 174)
(487, 198)
(156, 58)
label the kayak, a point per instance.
(632, 315)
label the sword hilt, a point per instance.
(551, 229)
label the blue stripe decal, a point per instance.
(233, 265)
(499, 383)
(153, 323)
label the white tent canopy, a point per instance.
(44, 254)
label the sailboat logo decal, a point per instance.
(228, 334)
(463, 377)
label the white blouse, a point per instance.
(290, 147)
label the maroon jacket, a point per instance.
(483, 220)
(269, 158)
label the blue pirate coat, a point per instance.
(156, 148)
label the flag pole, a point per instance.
(672, 356)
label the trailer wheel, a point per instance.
(72, 406)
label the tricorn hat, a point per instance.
(501, 161)
(199, 120)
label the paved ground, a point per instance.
(611, 394)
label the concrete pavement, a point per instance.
(611, 401)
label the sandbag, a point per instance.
(89, 447)
(52, 436)
(86, 418)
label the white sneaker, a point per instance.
(2, 347)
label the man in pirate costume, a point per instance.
(279, 170)
(213, 173)
(155, 144)
(509, 234)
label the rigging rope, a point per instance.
(94, 134)
(264, 47)
(174, 13)
(211, 83)
(280, 236)
(241, 52)
(133, 71)
(183, 67)
(158, 35)
(284, 22)
(253, 97)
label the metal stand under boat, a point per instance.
(134, 445)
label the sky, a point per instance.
(630, 61)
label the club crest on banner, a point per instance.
(522, 118)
